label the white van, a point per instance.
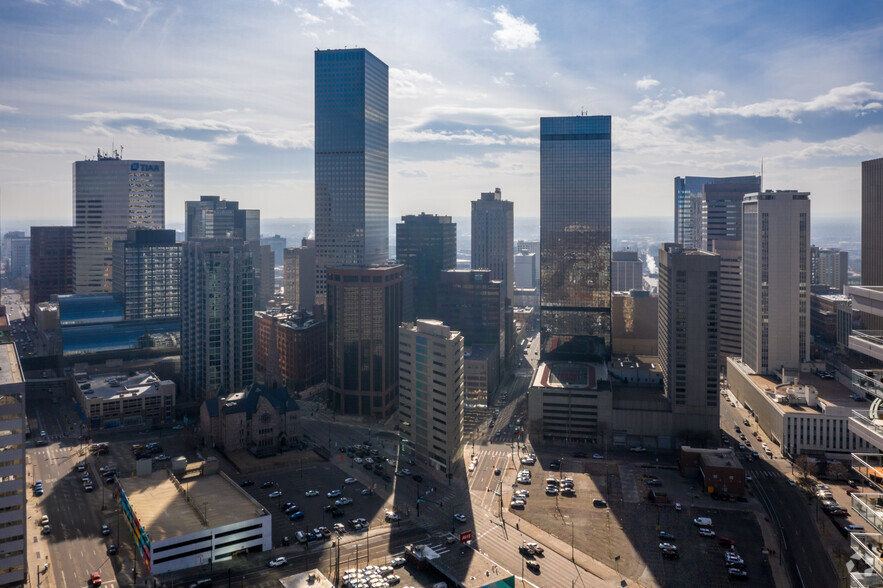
(703, 522)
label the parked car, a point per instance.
(350, 481)
(279, 561)
(275, 494)
(666, 535)
(311, 493)
(246, 483)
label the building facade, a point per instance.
(299, 275)
(351, 160)
(19, 258)
(493, 236)
(14, 555)
(52, 263)
(688, 205)
(364, 312)
(277, 244)
(627, 271)
(147, 273)
(471, 302)
(213, 218)
(526, 267)
(689, 291)
(432, 391)
(118, 399)
(290, 349)
(775, 280)
(575, 237)
(426, 244)
(217, 317)
(830, 267)
(111, 195)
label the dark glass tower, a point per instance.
(688, 205)
(426, 244)
(352, 160)
(575, 237)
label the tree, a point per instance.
(837, 471)
(806, 465)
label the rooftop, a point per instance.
(830, 392)
(120, 386)
(10, 370)
(462, 564)
(164, 512)
(567, 374)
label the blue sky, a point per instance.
(223, 92)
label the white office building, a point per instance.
(432, 390)
(13, 482)
(111, 195)
(775, 280)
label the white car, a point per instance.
(517, 503)
(343, 501)
(358, 460)
(406, 472)
(471, 467)
(551, 491)
(706, 532)
(638, 449)
(678, 506)
(334, 494)
(311, 493)
(460, 517)
(397, 562)
(597, 456)
(350, 481)
(279, 561)
(521, 494)
(275, 494)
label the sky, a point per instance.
(222, 91)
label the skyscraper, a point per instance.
(217, 317)
(16, 517)
(830, 268)
(147, 272)
(872, 236)
(433, 411)
(775, 278)
(52, 263)
(688, 205)
(299, 275)
(493, 238)
(426, 244)
(364, 313)
(575, 237)
(627, 271)
(111, 195)
(689, 288)
(351, 160)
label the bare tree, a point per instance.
(806, 465)
(837, 471)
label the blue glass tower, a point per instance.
(575, 237)
(688, 205)
(352, 160)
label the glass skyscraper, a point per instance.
(111, 195)
(352, 160)
(688, 205)
(575, 237)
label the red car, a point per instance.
(95, 579)
(725, 541)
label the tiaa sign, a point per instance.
(146, 167)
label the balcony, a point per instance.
(869, 547)
(868, 429)
(868, 343)
(869, 381)
(870, 467)
(866, 579)
(869, 507)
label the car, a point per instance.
(296, 515)
(343, 501)
(340, 528)
(333, 494)
(268, 484)
(46, 530)
(532, 564)
(496, 471)
(88, 487)
(670, 553)
(535, 548)
(666, 535)
(737, 572)
(111, 549)
(654, 482)
(38, 491)
(350, 481)
(279, 561)
(392, 579)
(162, 457)
(309, 493)
(398, 562)
(678, 506)
(246, 483)
(417, 478)
(792, 483)
(392, 517)
(406, 472)
(459, 517)
(275, 494)
(748, 477)
(597, 456)
(854, 529)
(733, 559)
(522, 493)
(706, 532)
(358, 460)
(105, 530)
(725, 541)
(177, 427)
(517, 503)
(95, 579)
(367, 492)
(667, 545)
(551, 491)
(205, 582)
(81, 466)
(638, 449)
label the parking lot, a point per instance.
(624, 534)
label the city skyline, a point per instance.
(224, 96)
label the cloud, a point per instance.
(514, 32)
(122, 4)
(412, 173)
(338, 6)
(505, 79)
(4, 108)
(646, 83)
(306, 17)
(410, 83)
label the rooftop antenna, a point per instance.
(761, 175)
